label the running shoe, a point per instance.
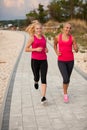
(43, 100)
(66, 98)
(36, 85)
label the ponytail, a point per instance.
(31, 28)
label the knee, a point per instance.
(43, 80)
(66, 81)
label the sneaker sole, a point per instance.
(44, 102)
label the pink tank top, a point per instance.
(39, 43)
(65, 47)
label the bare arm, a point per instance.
(55, 46)
(46, 49)
(28, 47)
(75, 45)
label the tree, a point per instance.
(32, 15)
(41, 13)
(55, 10)
(84, 12)
(62, 10)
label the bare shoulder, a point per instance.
(73, 38)
(31, 38)
(30, 41)
(57, 37)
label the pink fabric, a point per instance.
(65, 47)
(39, 43)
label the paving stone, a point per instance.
(26, 111)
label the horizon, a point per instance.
(13, 19)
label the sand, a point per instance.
(81, 61)
(11, 43)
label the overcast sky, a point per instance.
(16, 9)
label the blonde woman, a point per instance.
(38, 48)
(63, 47)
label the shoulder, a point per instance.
(72, 37)
(43, 36)
(31, 39)
(57, 37)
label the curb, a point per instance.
(4, 122)
(84, 75)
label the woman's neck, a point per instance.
(65, 37)
(38, 36)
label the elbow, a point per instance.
(54, 47)
(26, 50)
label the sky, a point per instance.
(17, 9)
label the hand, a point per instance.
(76, 50)
(58, 53)
(39, 49)
(46, 50)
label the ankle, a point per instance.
(65, 94)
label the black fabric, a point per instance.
(39, 68)
(66, 68)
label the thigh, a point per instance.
(35, 65)
(70, 65)
(63, 69)
(44, 68)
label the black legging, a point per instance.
(66, 68)
(39, 67)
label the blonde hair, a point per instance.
(66, 23)
(35, 21)
(31, 28)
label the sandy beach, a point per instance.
(11, 43)
(81, 61)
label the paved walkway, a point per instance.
(23, 109)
